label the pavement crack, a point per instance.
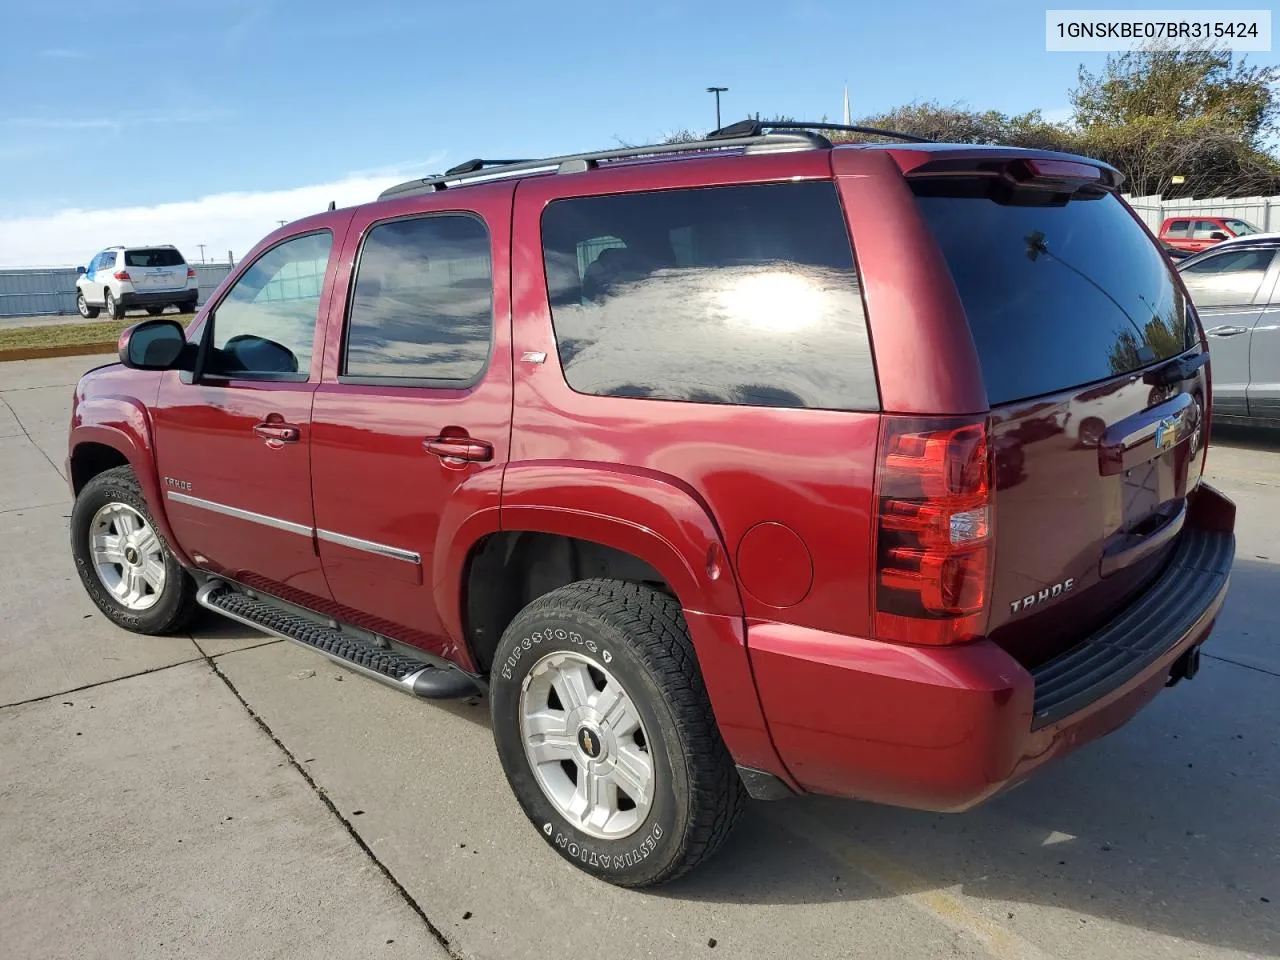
(26, 433)
(1237, 663)
(226, 653)
(34, 506)
(347, 825)
(99, 683)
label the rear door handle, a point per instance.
(1226, 330)
(276, 432)
(459, 448)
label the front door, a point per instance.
(1227, 289)
(411, 423)
(233, 448)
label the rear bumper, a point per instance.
(945, 728)
(149, 299)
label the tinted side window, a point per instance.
(1179, 228)
(422, 307)
(741, 295)
(1230, 278)
(266, 322)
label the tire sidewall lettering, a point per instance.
(535, 639)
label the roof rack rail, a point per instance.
(470, 166)
(755, 128)
(800, 139)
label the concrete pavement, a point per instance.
(361, 816)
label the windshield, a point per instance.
(1057, 296)
(1241, 228)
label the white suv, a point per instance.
(124, 278)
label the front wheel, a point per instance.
(606, 734)
(126, 567)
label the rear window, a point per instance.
(735, 295)
(1056, 296)
(158, 257)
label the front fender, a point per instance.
(664, 522)
(123, 424)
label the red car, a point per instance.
(748, 466)
(1197, 233)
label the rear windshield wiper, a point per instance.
(1175, 371)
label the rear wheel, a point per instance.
(82, 305)
(155, 311)
(606, 734)
(188, 306)
(111, 305)
(124, 563)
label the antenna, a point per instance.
(333, 205)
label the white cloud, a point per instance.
(224, 221)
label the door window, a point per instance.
(265, 326)
(1205, 229)
(1230, 278)
(1179, 229)
(422, 307)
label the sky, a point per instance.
(175, 121)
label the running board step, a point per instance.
(406, 673)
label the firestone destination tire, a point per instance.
(608, 740)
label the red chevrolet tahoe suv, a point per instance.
(752, 466)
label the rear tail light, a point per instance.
(191, 273)
(934, 530)
(122, 275)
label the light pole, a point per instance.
(717, 91)
(201, 246)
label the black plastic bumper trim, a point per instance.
(1183, 601)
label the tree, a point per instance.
(1177, 86)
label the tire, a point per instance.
(112, 305)
(188, 306)
(154, 311)
(82, 305)
(171, 608)
(631, 635)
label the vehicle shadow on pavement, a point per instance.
(1170, 825)
(1246, 438)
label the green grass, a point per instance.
(69, 334)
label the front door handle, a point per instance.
(276, 432)
(459, 448)
(1226, 330)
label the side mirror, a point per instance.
(1217, 235)
(80, 271)
(154, 345)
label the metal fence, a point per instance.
(1262, 212)
(38, 293)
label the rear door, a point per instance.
(156, 269)
(1178, 234)
(1229, 288)
(412, 421)
(1070, 305)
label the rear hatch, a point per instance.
(1092, 362)
(156, 269)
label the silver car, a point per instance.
(1234, 288)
